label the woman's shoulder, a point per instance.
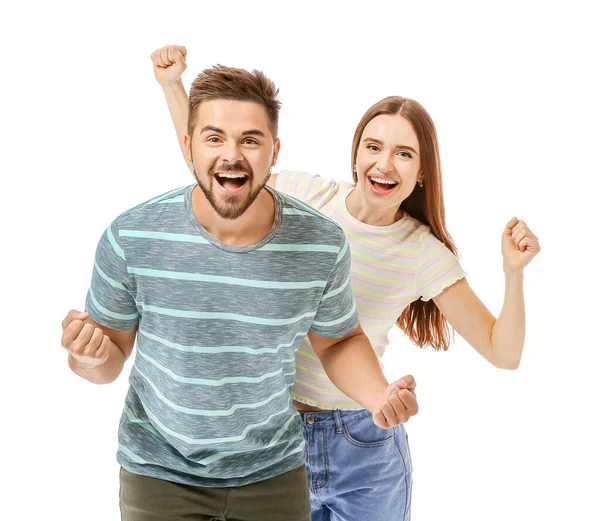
(302, 176)
(418, 229)
(313, 189)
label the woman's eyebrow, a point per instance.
(381, 143)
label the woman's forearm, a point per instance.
(177, 101)
(508, 333)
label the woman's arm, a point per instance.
(177, 101)
(169, 64)
(499, 340)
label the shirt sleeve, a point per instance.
(438, 268)
(109, 300)
(337, 315)
(310, 189)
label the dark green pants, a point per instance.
(282, 498)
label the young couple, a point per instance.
(249, 302)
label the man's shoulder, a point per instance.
(315, 221)
(155, 206)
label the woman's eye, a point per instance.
(373, 147)
(403, 153)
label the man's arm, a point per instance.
(346, 353)
(100, 340)
(96, 353)
(353, 367)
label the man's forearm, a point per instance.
(101, 374)
(354, 368)
(177, 101)
(508, 333)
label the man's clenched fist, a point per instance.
(87, 344)
(397, 404)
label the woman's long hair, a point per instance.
(421, 321)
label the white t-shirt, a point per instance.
(392, 266)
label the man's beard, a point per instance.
(232, 206)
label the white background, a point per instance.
(85, 135)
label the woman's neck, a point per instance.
(360, 210)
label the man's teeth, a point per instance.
(232, 176)
(383, 181)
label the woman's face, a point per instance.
(388, 161)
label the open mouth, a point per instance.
(231, 181)
(382, 185)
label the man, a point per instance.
(219, 282)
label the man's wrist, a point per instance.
(372, 400)
(81, 367)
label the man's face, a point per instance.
(232, 150)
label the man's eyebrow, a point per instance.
(212, 129)
(253, 132)
(381, 143)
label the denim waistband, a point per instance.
(335, 418)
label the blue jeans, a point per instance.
(356, 471)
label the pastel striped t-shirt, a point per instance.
(218, 330)
(392, 266)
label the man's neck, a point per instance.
(251, 227)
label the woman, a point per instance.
(404, 272)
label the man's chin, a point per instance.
(230, 214)
(230, 207)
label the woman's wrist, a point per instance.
(513, 274)
(171, 84)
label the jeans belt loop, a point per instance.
(337, 416)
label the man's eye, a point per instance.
(250, 142)
(213, 139)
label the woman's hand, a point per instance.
(519, 246)
(169, 63)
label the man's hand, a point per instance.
(169, 63)
(87, 344)
(397, 404)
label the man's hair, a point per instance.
(228, 83)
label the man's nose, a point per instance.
(231, 152)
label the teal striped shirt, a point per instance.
(218, 329)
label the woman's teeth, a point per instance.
(383, 181)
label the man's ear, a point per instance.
(187, 144)
(276, 147)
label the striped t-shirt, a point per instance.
(392, 266)
(218, 329)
